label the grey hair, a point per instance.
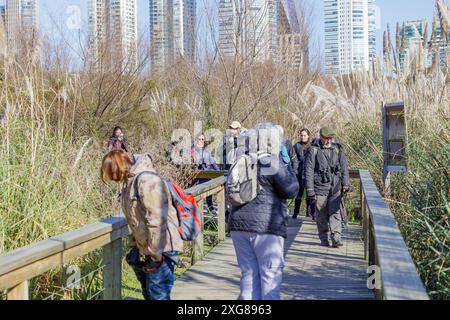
(273, 129)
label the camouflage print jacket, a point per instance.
(152, 218)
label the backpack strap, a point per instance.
(135, 183)
(169, 186)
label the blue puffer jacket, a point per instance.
(268, 212)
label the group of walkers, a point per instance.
(258, 225)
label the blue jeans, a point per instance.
(160, 282)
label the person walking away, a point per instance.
(203, 159)
(327, 178)
(118, 140)
(259, 227)
(153, 220)
(301, 149)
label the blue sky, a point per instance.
(55, 13)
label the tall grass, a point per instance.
(53, 127)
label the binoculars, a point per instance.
(326, 174)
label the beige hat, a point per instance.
(235, 125)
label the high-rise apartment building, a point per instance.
(293, 44)
(21, 25)
(249, 29)
(373, 25)
(349, 35)
(413, 32)
(113, 33)
(444, 48)
(172, 31)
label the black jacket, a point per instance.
(324, 175)
(268, 212)
(301, 152)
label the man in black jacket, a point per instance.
(327, 176)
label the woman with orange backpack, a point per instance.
(153, 220)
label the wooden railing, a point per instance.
(19, 266)
(384, 246)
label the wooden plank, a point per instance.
(19, 292)
(365, 221)
(311, 271)
(208, 193)
(92, 231)
(221, 215)
(39, 267)
(205, 187)
(13, 278)
(112, 272)
(85, 248)
(197, 252)
(23, 256)
(209, 174)
(400, 280)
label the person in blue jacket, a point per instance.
(204, 161)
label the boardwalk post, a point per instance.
(197, 250)
(365, 222)
(221, 215)
(19, 292)
(112, 272)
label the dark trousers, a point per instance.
(328, 218)
(310, 203)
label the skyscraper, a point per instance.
(372, 30)
(293, 43)
(413, 33)
(172, 31)
(113, 33)
(21, 21)
(349, 35)
(249, 29)
(444, 48)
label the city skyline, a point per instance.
(53, 19)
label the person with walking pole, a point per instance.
(327, 179)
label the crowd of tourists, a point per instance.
(264, 169)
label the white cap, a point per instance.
(235, 125)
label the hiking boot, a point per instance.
(337, 244)
(324, 243)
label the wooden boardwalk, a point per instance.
(311, 271)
